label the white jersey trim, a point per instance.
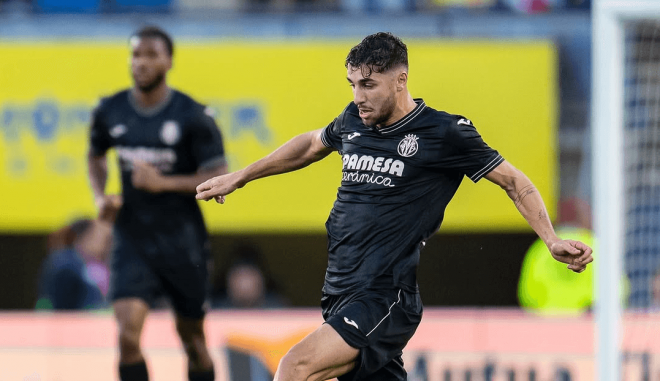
(323, 140)
(421, 105)
(489, 167)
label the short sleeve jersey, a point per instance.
(396, 183)
(179, 137)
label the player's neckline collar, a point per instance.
(149, 111)
(421, 105)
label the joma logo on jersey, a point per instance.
(369, 163)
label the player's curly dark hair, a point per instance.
(378, 53)
(155, 32)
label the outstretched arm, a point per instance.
(148, 178)
(295, 154)
(530, 204)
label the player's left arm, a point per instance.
(149, 178)
(208, 151)
(530, 204)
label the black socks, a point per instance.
(133, 372)
(201, 375)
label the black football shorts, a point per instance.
(182, 280)
(377, 322)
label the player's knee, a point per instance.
(193, 348)
(194, 344)
(188, 330)
(129, 342)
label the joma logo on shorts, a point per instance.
(350, 322)
(369, 163)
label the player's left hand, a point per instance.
(218, 187)
(146, 177)
(574, 253)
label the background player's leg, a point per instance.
(200, 365)
(131, 314)
(322, 355)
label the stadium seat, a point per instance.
(67, 6)
(141, 5)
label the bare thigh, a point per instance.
(321, 355)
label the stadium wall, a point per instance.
(449, 345)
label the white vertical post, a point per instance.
(607, 138)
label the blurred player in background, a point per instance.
(166, 144)
(402, 163)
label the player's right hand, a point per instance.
(218, 187)
(577, 255)
(108, 206)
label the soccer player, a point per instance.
(402, 163)
(166, 144)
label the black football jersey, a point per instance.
(178, 137)
(396, 183)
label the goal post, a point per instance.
(611, 167)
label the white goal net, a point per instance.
(626, 169)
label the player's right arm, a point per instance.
(97, 168)
(295, 154)
(107, 204)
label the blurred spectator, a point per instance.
(547, 286)
(247, 284)
(540, 6)
(377, 6)
(655, 286)
(474, 4)
(75, 274)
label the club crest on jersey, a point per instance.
(408, 146)
(170, 133)
(117, 131)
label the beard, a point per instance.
(149, 87)
(385, 113)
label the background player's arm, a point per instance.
(108, 205)
(97, 169)
(149, 178)
(295, 154)
(207, 149)
(530, 204)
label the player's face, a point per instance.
(375, 95)
(149, 63)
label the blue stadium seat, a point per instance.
(67, 6)
(141, 5)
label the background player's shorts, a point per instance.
(379, 323)
(183, 281)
